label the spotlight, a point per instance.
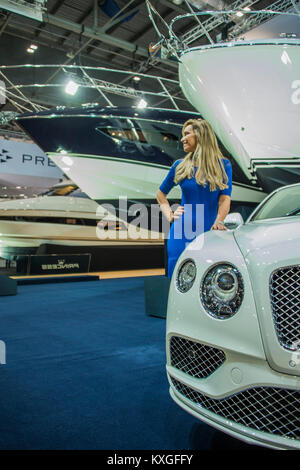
(142, 104)
(32, 49)
(71, 87)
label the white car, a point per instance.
(233, 325)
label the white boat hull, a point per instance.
(250, 94)
(32, 235)
(107, 179)
(70, 221)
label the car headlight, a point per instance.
(222, 291)
(186, 276)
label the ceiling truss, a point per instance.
(95, 38)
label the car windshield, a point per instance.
(284, 203)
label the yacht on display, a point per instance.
(64, 216)
(121, 155)
(248, 88)
(253, 105)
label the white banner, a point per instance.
(23, 158)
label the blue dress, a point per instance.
(200, 211)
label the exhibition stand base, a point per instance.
(156, 295)
(7, 286)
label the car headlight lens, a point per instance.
(222, 291)
(186, 276)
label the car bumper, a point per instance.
(239, 395)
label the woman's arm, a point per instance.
(166, 208)
(223, 210)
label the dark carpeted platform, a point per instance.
(85, 369)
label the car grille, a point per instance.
(195, 359)
(267, 409)
(285, 302)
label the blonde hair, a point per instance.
(207, 157)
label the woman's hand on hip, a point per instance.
(178, 212)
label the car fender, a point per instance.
(186, 313)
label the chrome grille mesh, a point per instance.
(285, 302)
(267, 409)
(195, 359)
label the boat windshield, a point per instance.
(161, 134)
(61, 191)
(283, 203)
(70, 190)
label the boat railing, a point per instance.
(240, 14)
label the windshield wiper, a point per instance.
(293, 212)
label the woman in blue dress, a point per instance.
(205, 178)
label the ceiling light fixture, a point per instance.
(71, 87)
(142, 104)
(32, 48)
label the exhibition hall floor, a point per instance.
(85, 369)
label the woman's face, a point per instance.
(189, 139)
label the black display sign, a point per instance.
(58, 264)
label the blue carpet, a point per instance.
(85, 369)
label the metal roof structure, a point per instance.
(111, 34)
(107, 47)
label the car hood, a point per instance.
(273, 236)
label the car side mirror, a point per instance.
(233, 220)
